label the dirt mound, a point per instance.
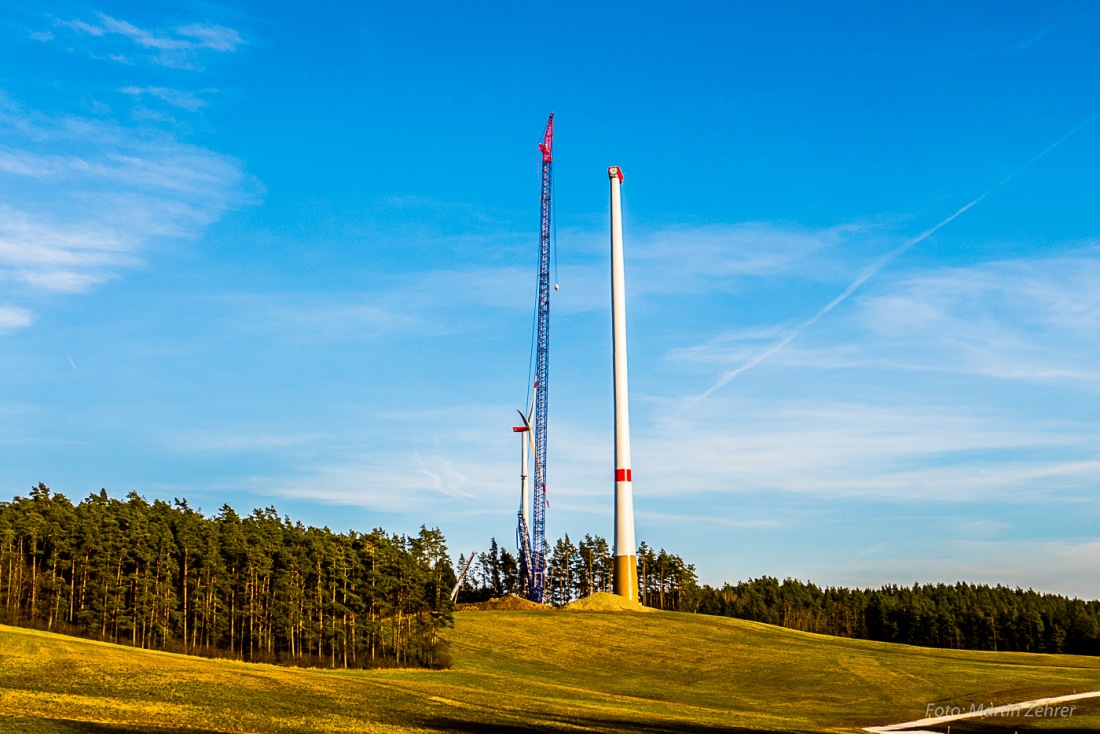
(507, 603)
(602, 601)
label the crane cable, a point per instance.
(528, 389)
(554, 236)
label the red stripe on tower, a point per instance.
(622, 475)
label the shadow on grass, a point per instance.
(586, 723)
(22, 725)
(27, 725)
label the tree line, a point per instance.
(262, 588)
(577, 570)
(960, 616)
(256, 588)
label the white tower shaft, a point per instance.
(524, 493)
(626, 560)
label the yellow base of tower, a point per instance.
(626, 577)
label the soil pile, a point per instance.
(507, 603)
(602, 601)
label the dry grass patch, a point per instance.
(508, 603)
(603, 601)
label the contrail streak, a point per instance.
(876, 266)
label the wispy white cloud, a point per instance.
(728, 347)
(1029, 319)
(432, 302)
(443, 477)
(55, 256)
(1062, 566)
(437, 461)
(1037, 319)
(667, 518)
(82, 27)
(690, 254)
(696, 261)
(190, 101)
(212, 36)
(179, 48)
(92, 192)
(869, 272)
(241, 439)
(318, 318)
(946, 454)
(383, 461)
(88, 196)
(685, 259)
(12, 317)
(670, 261)
(872, 270)
(402, 482)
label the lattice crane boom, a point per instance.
(532, 539)
(542, 368)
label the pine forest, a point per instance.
(255, 588)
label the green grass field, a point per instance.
(539, 672)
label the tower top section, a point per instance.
(547, 144)
(615, 172)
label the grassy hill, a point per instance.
(538, 672)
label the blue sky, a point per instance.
(275, 254)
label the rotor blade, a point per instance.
(534, 452)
